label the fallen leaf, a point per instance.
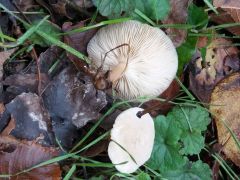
(177, 15)
(4, 55)
(163, 107)
(11, 125)
(221, 60)
(25, 82)
(17, 156)
(25, 5)
(72, 99)
(77, 40)
(229, 13)
(31, 118)
(225, 108)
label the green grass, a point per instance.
(184, 100)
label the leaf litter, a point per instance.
(35, 123)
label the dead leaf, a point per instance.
(221, 60)
(16, 156)
(4, 55)
(78, 41)
(72, 99)
(163, 107)
(229, 13)
(177, 15)
(25, 5)
(11, 125)
(31, 118)
(25, 82)
(225, 107)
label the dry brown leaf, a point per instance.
(229, 13)
(16, 156)
(177, 15)
(225, 107)
(221, 60)
(4, 55)
(11, 125)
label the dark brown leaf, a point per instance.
(78, 41)
(25, 5)
(16, 156)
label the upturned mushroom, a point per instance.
(141, 60)
(132, 140)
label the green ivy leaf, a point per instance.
(143, 176)
(192, 121)
(193, 142)
(186, 52)
(154, 9)
(192, 170)
(197, 16)
(165, 154)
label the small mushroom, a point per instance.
(132, 140)
(137, 59)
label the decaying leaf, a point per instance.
(78, 41)
(16, 156)
(177, 15)
(229, 13)
(4, 55)
(31, 118)
(25, 5)
(221, 60)
(225, 108)
(72, 97)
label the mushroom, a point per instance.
(143, 64)
(132, 140)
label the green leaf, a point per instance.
(154, 9)
(196, 118)
(193, 142)
(186, 52)
(165, 154)
(143, 176)
(197, 16)
(192, 170)
(192, 121)
(48, 28)
(97, 178)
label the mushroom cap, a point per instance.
(151, 62)
(131, 136)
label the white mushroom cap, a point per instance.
(131, 136)
(146, 70)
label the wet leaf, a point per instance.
(221, 60)
(225, 107)
(31, 118)
(72, 99)
(16, 156)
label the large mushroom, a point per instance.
(132, 140)
(141, 59)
